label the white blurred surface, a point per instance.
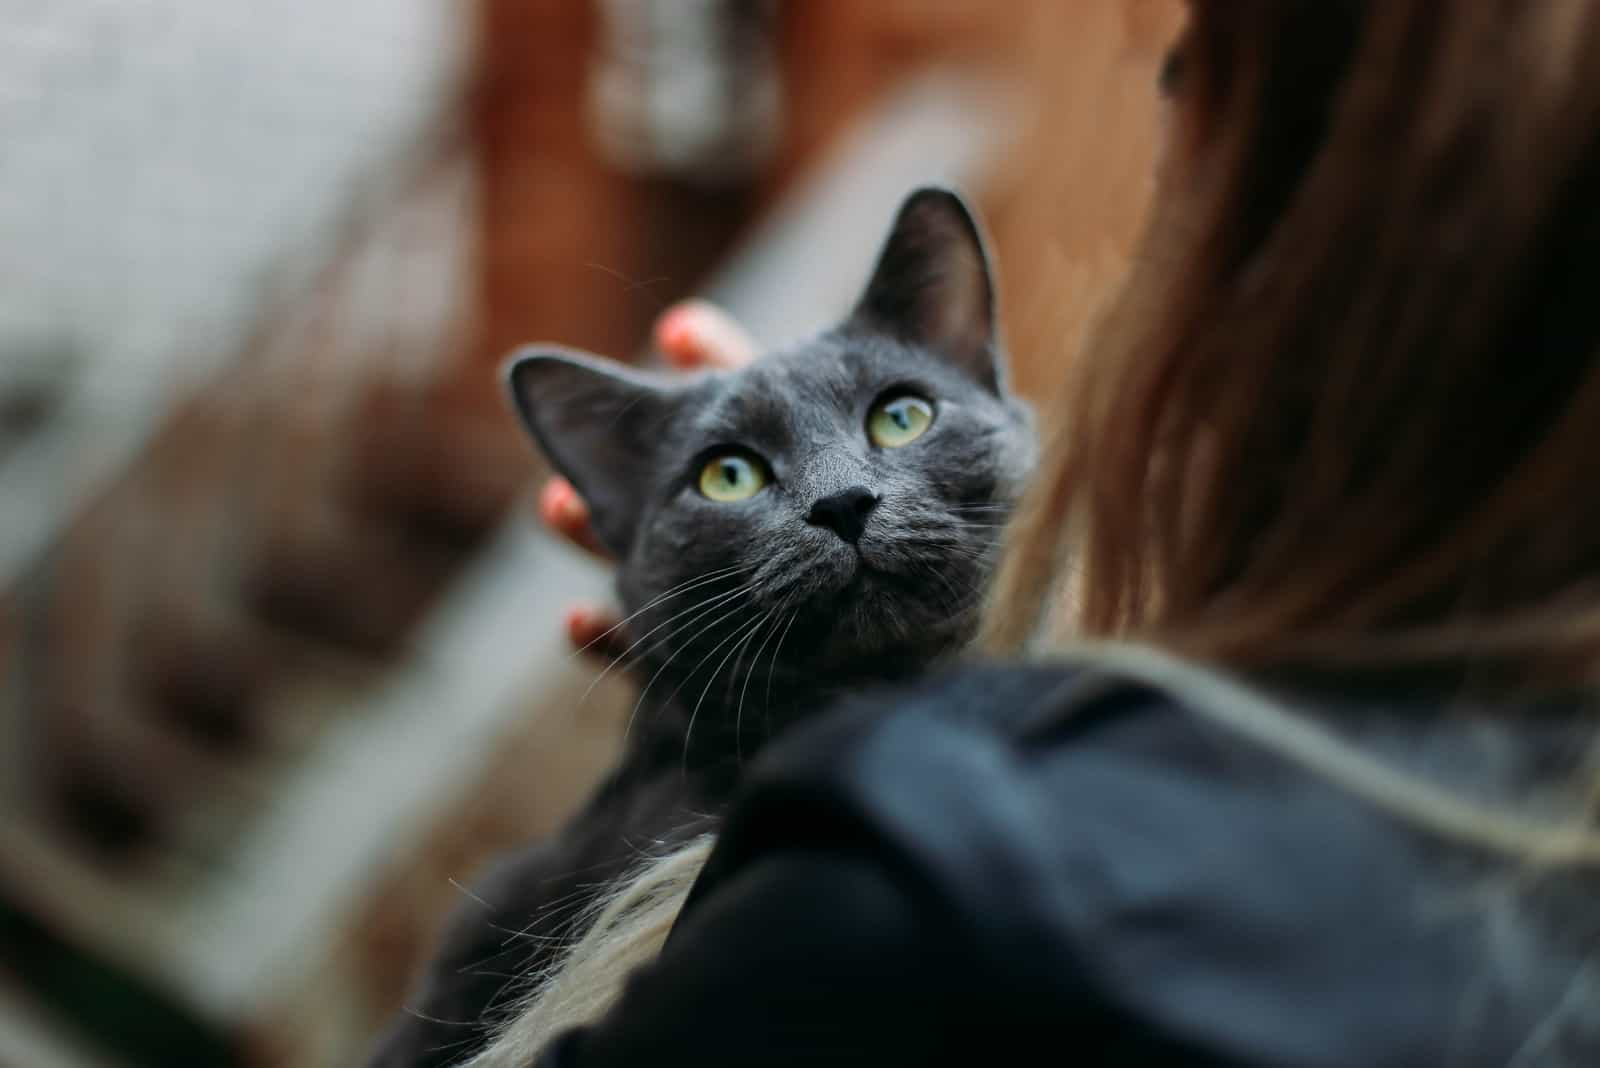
(169, 169)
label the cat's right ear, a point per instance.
(933, 286)
(600, 424)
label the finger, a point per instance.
(696, 333)
(566, 513)
(595, 631)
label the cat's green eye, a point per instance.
(731, 477)
(899, 420)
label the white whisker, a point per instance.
(709, 603)
(755, 662)
(773, 665)
(687, 643)
(681, 588)
(748, 632)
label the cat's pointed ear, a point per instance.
(932, 286)
(600, 424)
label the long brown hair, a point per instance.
(1344, 409)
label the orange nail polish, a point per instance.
(677, 330)
(549, 506)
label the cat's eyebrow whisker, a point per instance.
(706, 605)
(631, 285)
(748, 633)
(682, 588)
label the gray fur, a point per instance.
(907, 592)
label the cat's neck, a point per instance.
(716, 727)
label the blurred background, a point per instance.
(280, 651)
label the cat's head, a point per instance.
(840, 501)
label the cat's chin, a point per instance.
(877, 616)
(872, 605)
(848, 654)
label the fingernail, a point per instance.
(550, 501)
(581, 624)
(677, 330)
(558, 497)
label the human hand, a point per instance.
(692, 335)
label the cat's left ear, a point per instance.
(600, 424)
(933, 288)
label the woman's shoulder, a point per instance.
(1009, 782)
(1017, 729)
(1095, 839)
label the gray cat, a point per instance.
(822, 520)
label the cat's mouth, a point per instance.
(871, 576)
(863, 579)
(842, 574)
(877, 592)
(880, 597)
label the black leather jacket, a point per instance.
(995, 867)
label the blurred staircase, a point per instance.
(283, 661)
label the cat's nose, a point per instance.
(845, 513)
